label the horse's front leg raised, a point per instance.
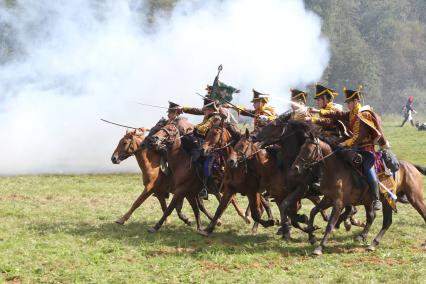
(255, 203)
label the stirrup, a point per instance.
(203, 194)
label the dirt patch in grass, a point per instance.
(373, 260)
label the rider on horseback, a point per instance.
(324, 97)
(262, 113)
(366, 132)
(172, 114)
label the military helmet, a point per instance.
(172, 106)
(257, 96)
(351, 95)
(297, 95)
(321, 91)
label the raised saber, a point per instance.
(125, 126)
(143, 104)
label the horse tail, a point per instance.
(421, 169)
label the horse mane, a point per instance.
(307, 129)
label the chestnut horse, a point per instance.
(154, 180)
(188, 181)
(340, 190)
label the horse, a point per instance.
(186, 177)
(155, 181)
(285, 133)
(236, 179)
(219, 142)
(340, 189)
(272, 177)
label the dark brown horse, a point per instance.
(288, 135)
(272, 176)
(154, 180)
(340, 190)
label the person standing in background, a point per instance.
(408, 111)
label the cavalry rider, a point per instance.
(366, 132)
(172, 115)
(262, 113)
(324, 97)
(299, 111)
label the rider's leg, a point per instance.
(374, 187)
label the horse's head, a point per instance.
(270, 133)
(128, 145)
(217, 137)
(165, 137)
(310, 151)
(243, 150)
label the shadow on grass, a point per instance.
(183, 239)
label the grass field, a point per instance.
(60, 229)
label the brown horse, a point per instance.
(288, 135)
(340, 190)
(186, 177)
(154, 180)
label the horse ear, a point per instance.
(127, 131)
(247, 133)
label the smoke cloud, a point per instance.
(77, 61)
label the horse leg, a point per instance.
(417, 202)
(176, 198)
(163, 205)
(196, 209)
(345, 217)
(355, 221)
(387, 222)
(224, 202)
(322, 205)
(138, 202)
(335, 214)
(292, 198)
(203, 209)
(255, 203)
(237, 207)
(267, 207)
(370, 216)
(180, 214)
(256, 224)
(316, 200)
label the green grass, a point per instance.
(60, 229)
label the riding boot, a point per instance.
(377, 204)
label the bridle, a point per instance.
(316, 156)
(130, 148)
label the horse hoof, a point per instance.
(359, 239)
(120, 221)
(312, 240)
(317, 251)
(219, 223)
(152, 230)
(203, 233)
(247, 220)
(189, 223)
(348, 227)
(371, 248)
(269, 223)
